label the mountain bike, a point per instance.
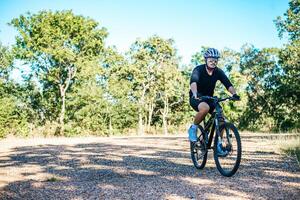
(219, 129)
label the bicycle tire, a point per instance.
(219, 160)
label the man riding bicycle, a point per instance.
(202, 83)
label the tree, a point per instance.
(171, 92)
(58, 45)
(13, 115)
(7, 105)
(99, 102)
(152, 63)
(6, 62)
(291, 22)
(261, 69)
(288, 93)
(119, 89)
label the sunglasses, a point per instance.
(212, 60)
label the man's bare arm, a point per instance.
(194, 89)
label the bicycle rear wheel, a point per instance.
(199, 151)
(229, 163)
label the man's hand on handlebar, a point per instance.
(236, 97)
(196, 95)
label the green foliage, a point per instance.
(289, 60)
(273, 74)
(157, 84)
(57, 45)
(291, 22)
(197, 58)
(259, 67)
(7, 108)
(6, 61)
(79, 86)
(13, 116)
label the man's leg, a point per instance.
(203, 110)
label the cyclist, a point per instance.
(202, 83)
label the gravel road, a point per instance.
(139, 168)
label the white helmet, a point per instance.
(211, 53)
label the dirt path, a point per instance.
(139, 168)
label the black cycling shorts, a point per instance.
(195, 103)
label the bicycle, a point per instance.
(224, 131)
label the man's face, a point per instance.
(212, 62)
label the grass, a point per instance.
(290, 147)
(293, 151)
(52, 179)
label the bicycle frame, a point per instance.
(213, 124)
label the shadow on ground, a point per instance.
(140, 168)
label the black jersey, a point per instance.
(206, 83)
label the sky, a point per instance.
(191, 23)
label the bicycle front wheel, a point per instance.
(228, 162)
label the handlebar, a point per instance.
(217, 99)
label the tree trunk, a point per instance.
(63, 88)
(141, 127)
(151, 107)
(141, 106)
(165, 125)
(165, 115)
(62, 115)
(110, 126)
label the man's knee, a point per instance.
(203, 107)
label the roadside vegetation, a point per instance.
(74, 84)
